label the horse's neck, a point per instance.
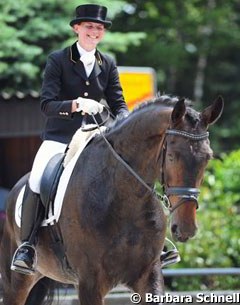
(141, 146)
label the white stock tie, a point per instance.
(88, 60)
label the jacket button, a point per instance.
(87, 83)
(85, 93)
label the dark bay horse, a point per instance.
(113, 225)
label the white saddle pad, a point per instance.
(63, 182)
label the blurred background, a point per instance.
(193, 49)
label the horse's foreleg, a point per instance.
(43, 288)
(150, 283)
(17, 291)
(89, 295)
(16, 286)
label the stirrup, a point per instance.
(171, 256)
(21, 266)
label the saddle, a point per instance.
(59, 162)
(48, 190)
(49, 182)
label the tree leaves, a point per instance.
(217, 242)
(31, 29)
(193, 45)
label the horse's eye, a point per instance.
(209, 157)
(170, 157)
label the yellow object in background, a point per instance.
(138, 83)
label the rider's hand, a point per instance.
(88, 106)
(122, 115)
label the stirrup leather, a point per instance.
(19, 265)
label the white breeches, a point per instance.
(46, 151)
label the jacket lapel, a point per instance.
(80, 70)
(78, 66)
(96, 71)
(97, 66)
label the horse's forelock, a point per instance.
(192, 116)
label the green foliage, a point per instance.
(217, 243)
(193, 45)
(122, 41)
(31, 29)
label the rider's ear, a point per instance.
(213, 112)
(178, 112)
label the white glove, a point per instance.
(88, 106)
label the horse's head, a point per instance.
(170, 135)
(187, 152)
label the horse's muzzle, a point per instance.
(183, 233)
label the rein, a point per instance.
(184, 193)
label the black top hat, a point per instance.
(91, 12)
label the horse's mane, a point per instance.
(164, 101)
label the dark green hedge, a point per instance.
(217, 243)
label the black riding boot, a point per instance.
(169, 257)
(24, 259)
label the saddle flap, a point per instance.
(50, 179)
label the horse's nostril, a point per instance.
(174, 228)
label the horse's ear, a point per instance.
(213, 112)
(178, 111)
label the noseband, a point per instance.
(185, 194)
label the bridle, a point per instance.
(183, 193)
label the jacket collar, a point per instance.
(74, 55)
(79, 68)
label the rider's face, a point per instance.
(89, 34)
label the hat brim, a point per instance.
(107, 24)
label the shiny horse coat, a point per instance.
(113, 226)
